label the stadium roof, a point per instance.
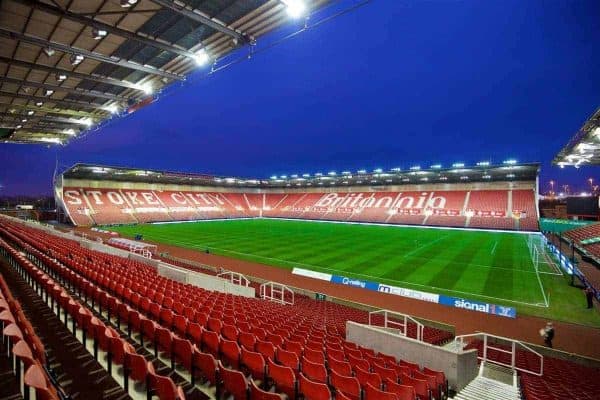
(505, 172)
(584, 147)
(69, 65)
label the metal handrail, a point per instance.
(393, 324)
(513, 351)
(276, 289)
(235, 277)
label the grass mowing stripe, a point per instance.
(400, 256)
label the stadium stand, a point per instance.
(584, 238)
(561, 380)
(131, 298)
(474, 208)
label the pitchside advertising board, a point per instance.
(457, 302)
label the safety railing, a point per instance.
(234, 277)
(506, 346)
(277, 292)
(396, 320)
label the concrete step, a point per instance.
(482, 388)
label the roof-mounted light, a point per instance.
(201, 57)
(295, 8)
(510, 162)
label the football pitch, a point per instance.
(496, 267)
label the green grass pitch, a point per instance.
(495, 267)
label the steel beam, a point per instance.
(78, 75)
(49, 110)
(195, 15)
(47, 8)
(78, 91)
(42, 119)
(67, 103)
(25, 37)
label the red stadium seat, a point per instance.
(283, 378)
(371, 393)
(234, 382)
(348, 385)
(311, 390)
(258, 394)
(314, 371)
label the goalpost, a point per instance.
(540, 260)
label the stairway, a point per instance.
(494, 382)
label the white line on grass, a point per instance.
(424, 246)
(377, 277)
(494, 248)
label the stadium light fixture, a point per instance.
(510, 175)
(283, 176)
(18, 126)
(98, 34)
(76, 59)
(86, 121)
(70, 132)
(346, 173)
(146, 88)
(332, 173)
(415, 168)
(294, 176)
(510, 162)
(49, 51)
(425, 179)
(435, 166)
(113, 109)
(61, 76)
(39, 103)
(318, 174)
(306, 175)
(128, 3)
(487, 177)
(464, 177)
(295, 8)
(274, 177)
(201, 57)
(396, 169)
(378, 170)
(30, 112)
(483, 163)
(458, 165)
(443, 178)
(24, 120)
(362, 171)
(48, 92)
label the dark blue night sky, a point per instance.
(392, 84)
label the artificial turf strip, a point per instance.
(480, 265)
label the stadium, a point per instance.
(422, 282)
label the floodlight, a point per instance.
(510, 175)
(487, 177)
(295, 8)
(146, 87)
(48, 92)
(201, 57)
(306, 175)
(76, 59)
(49, 51)
(396, 169)
(283, 176)
(86, 121)
(362, 171)
(483, 163)
(415, 168)
(30, 112)
(113, 109)
(332, 173)
(99, 33)
(378, 170)
(346, 172)
(39, 103)
(458, 165)
(128, 3)
(464, 177)
(510, 162)
(274, 177)
(18, 126)
(24, 120)
(61, 76)
(70, 132)
(436, 166)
